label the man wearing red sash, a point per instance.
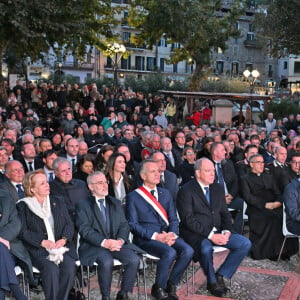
(153, 221)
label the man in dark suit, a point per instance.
(14, 173)
(278, 167)
(168, 180)
(29, 160)
(72, 190)
(179, 143)
(206, 222)
(173, 158)
(227, 178)
(153, 221)
(72, 148)
(104, 236)
(291, 198)
(3, 161)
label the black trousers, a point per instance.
(57, 280)
(105, 261)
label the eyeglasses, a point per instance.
(258, 162)
(100, 182)
(295, 162)
(190, 153)
(17, 170)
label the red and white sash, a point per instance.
(153, 202)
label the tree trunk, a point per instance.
(201, 72)
(3, 94)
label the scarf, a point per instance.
(43, 211)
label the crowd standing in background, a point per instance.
(93, 152)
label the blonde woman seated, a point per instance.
(47, 233)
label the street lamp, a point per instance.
(115, 51)
(252, 77)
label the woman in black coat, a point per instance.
(186, 169)
(47, 232)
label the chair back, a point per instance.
(285, 231)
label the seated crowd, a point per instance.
(88, 167)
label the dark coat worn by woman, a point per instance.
(265, 224)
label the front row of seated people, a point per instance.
(47, 231)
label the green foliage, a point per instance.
(153, 83)
(28, 28)
(283, 108)
(281, 25)
(225, 86)
(199, 26)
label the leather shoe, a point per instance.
(221, 282)
(171, 291)
(122, 296)
(215, 289)
(159, 293)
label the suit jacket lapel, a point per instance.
(97, 214)
(200, 193)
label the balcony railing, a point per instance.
(253, 43)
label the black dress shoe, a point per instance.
(159, 293)
(122, 296)
(221, 282)
(215, 289)
(171, 291)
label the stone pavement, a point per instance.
(254, 280)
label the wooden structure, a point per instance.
(239, 99)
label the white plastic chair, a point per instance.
(285, 232)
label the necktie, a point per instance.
(20, 191)
(30, 166)
(162, 182)
(104, 214)
(50, 178)
(220, 174)
(73, 164)
(171, 159)
(153, 193)
(207, 196)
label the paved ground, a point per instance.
(254, 280)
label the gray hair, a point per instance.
(58, 161)
(143, 165)
(199, 162)
(252, 157)
(90, 177)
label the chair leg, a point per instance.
(193, 277)
(144, 275)
(88, 282)
(281, 250)
(187, 282)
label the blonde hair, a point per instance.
(28, 181)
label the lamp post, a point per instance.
(252, 77)
(115, 51)
(59, 75)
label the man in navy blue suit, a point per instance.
(206, 222)
(153, 221)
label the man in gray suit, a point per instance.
(10, 226)
(14, 172)
(104, 236)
